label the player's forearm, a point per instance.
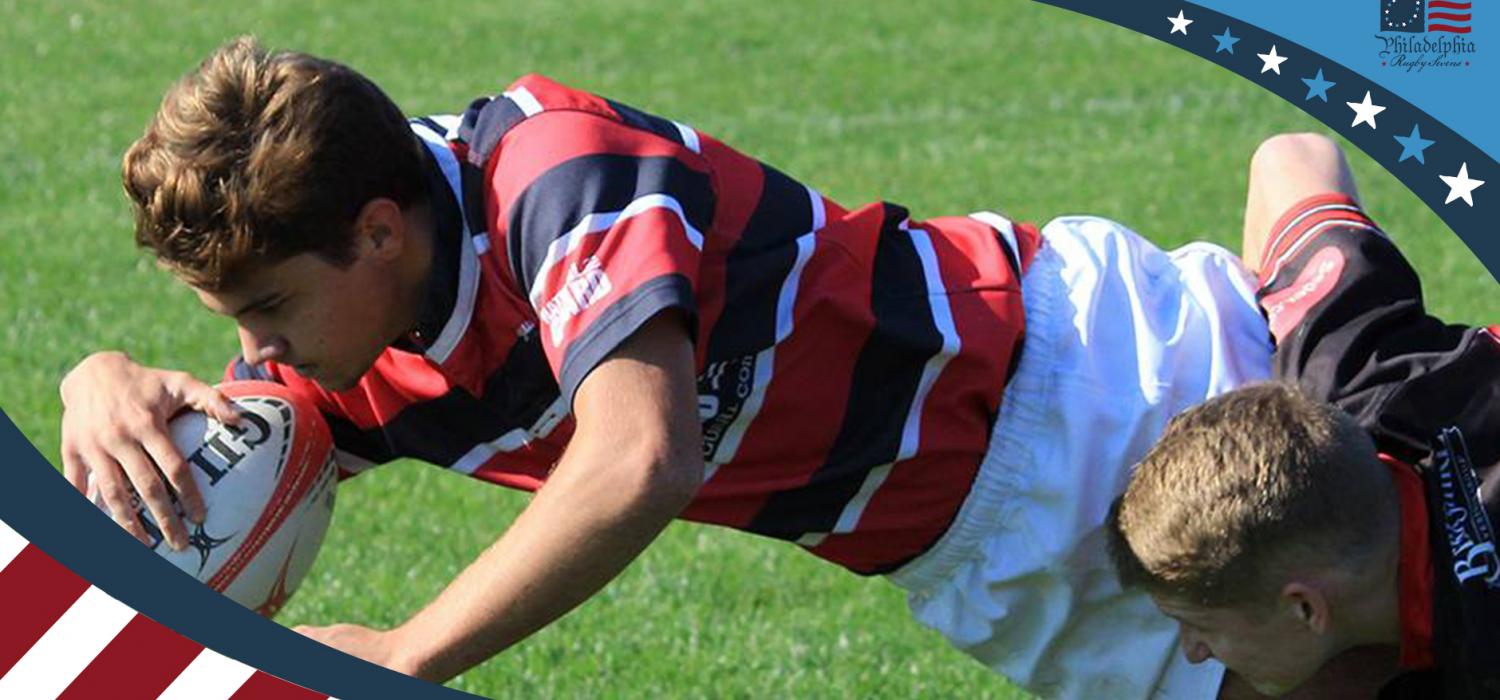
(599, 510)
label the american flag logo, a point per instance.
(63, 639)
(1416, 16)
(1445, 16)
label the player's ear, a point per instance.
(1307, 605)
(381, 229)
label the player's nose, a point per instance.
(258, 347)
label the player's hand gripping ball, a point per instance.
(268, 485)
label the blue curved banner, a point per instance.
(1445, 69)
(1411, 48)
(43, 508)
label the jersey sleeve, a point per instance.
(1351, 328)
(355, 450)
(604, 228)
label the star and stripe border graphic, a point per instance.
(72, 641)
(85, 614)
(1446, 171)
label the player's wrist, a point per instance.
(412, 652)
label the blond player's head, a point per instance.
(1256, 517)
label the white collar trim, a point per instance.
(468, 257)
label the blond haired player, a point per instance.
(1350, 505)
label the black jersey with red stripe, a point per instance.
(1351, 329)
(850, 363)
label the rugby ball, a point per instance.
(268, 486)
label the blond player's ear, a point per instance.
(1307, 605)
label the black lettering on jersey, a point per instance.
(722, 390)
(1471, 540)
(754, 272)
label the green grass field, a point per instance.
(964, 105)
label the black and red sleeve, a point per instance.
(1351, 328)
(604, 226)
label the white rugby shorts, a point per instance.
(1120, 336)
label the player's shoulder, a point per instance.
(550, 117)
(549, 110)
(535, 94)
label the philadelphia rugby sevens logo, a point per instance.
(1421, 34)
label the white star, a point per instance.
(1272, 61)
(1461, 185)
(1179, 23)
(1365, 111)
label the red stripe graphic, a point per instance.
(1449, 15)
(1447, 28)
(1446, 5)
(264, 686)
(141, 661)
(35, 590)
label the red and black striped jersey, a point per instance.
(850, 363)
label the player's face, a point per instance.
(328, 323)
(1271, 651)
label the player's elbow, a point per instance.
(669, 468)
(647, 466)
(1296, 152)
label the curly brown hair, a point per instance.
(259, 156)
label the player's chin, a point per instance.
(340, 376)
(336, 384)
(335, 380)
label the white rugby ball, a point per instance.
(268, 486)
